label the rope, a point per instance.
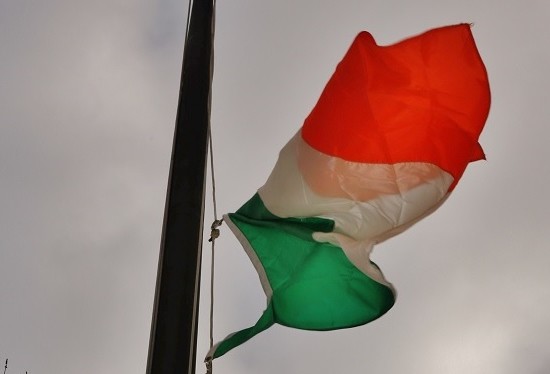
(187, 27)
(215, 232)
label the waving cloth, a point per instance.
(387, 142)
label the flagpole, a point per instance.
(173, 340)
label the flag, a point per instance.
(387, 142)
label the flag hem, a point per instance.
(252, 256)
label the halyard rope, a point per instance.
(215, 232)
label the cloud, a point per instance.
(88, 92)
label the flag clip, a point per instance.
(208, 366)
(215, 233)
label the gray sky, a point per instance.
(88, 94)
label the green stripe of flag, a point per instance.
(314, 285)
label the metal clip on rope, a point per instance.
(215, 233)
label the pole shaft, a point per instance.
(172, 346)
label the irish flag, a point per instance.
(385, 145)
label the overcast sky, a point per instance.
(88, 95)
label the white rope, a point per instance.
(187, 27)
(215, 232)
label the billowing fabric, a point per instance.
(388, 140)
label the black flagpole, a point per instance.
(172, 345)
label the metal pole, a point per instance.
(172, 345)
